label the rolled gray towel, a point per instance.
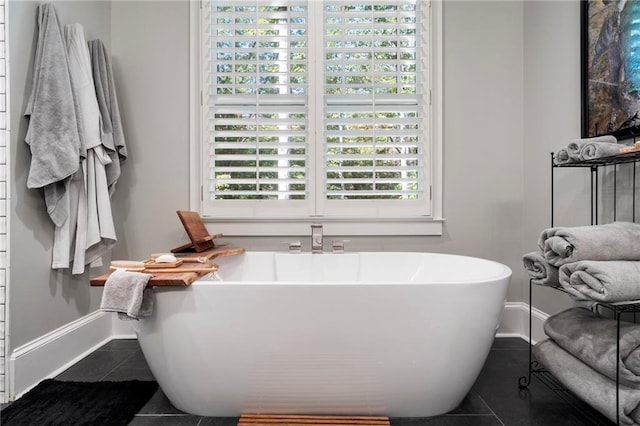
(539, 269)
(594, 388)
(575, 147)
(602, 281)
(595, 150)
(562, 156)
(592, 339)
(613, 241)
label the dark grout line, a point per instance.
(490, 409)
(131, 355)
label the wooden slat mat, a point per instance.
(295, 420)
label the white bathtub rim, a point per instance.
(504, 272)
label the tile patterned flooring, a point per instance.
(494, 399)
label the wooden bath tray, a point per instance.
(294, 420)
(180, 276)
(186, 273)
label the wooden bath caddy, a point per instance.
(295, 420)
(193, 258)
(189, 268)
(200, 238)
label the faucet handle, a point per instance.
(338, 245)
(295, 247)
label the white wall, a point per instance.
(150, 49)
(552, 119)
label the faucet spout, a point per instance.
(316, 238)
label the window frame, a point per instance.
(229, 225)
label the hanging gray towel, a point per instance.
(613, 241)
(592, 339)
(602, 281)
(592, 387)
(112, 132)
(52, 132)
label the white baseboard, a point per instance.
(51, 354)
(515, 322)
(121, 329)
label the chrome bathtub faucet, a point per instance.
(316, 238)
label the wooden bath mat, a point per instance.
(295, 420)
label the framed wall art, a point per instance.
(610, 68)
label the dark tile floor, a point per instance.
(494, 399)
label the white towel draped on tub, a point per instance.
(126, 293)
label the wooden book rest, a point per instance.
(200, 238)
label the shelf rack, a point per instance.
(617, 309)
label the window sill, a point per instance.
(331, 226)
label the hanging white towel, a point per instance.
(101, 233)
(65, 235)
(83, 87)
(93, 232)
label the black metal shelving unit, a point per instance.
(536, 369)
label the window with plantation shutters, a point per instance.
(316, 108)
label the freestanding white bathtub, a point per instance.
(394, 334)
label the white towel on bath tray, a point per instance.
(126, 293)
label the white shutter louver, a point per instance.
(257, 61)
(374, 117)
